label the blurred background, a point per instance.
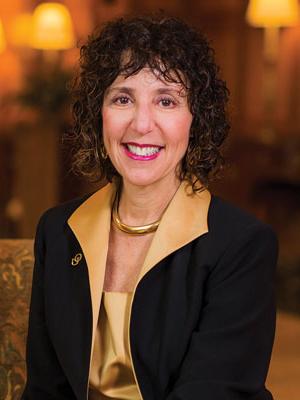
(257, 46)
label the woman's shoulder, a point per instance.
(65, 209)
(221, 210)
(237, 242)
(54, 219)
(227, 222)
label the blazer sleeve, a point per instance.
(45, 378)
(229, 352)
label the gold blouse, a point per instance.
(111, 374)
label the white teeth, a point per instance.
(143, 151)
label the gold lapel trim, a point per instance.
(184, 220)
(90, 223)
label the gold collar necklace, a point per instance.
(131, 230)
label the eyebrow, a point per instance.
(130, 91)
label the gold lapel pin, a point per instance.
(76, 259)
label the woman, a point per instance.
(151, 287)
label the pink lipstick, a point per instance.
(142, 152)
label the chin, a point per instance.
(139, 180)
(146, 178)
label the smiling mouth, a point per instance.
(144, 150)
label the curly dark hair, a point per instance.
(179, 54)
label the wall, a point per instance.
(238, 51)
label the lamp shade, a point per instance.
(272, 13)
(52, 27)
(2, 38)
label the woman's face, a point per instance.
(146, 124)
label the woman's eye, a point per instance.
(121, 100)
(167, 102)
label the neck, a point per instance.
(145, 204)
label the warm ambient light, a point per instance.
(2, 38)
(272, 13)
(52, 27)
(21, 30)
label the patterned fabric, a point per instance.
(16, 264)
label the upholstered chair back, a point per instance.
(16, 265)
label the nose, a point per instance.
(143, 119)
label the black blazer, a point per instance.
(202, 316)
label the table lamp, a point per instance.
(52, 27)
(271, 15)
